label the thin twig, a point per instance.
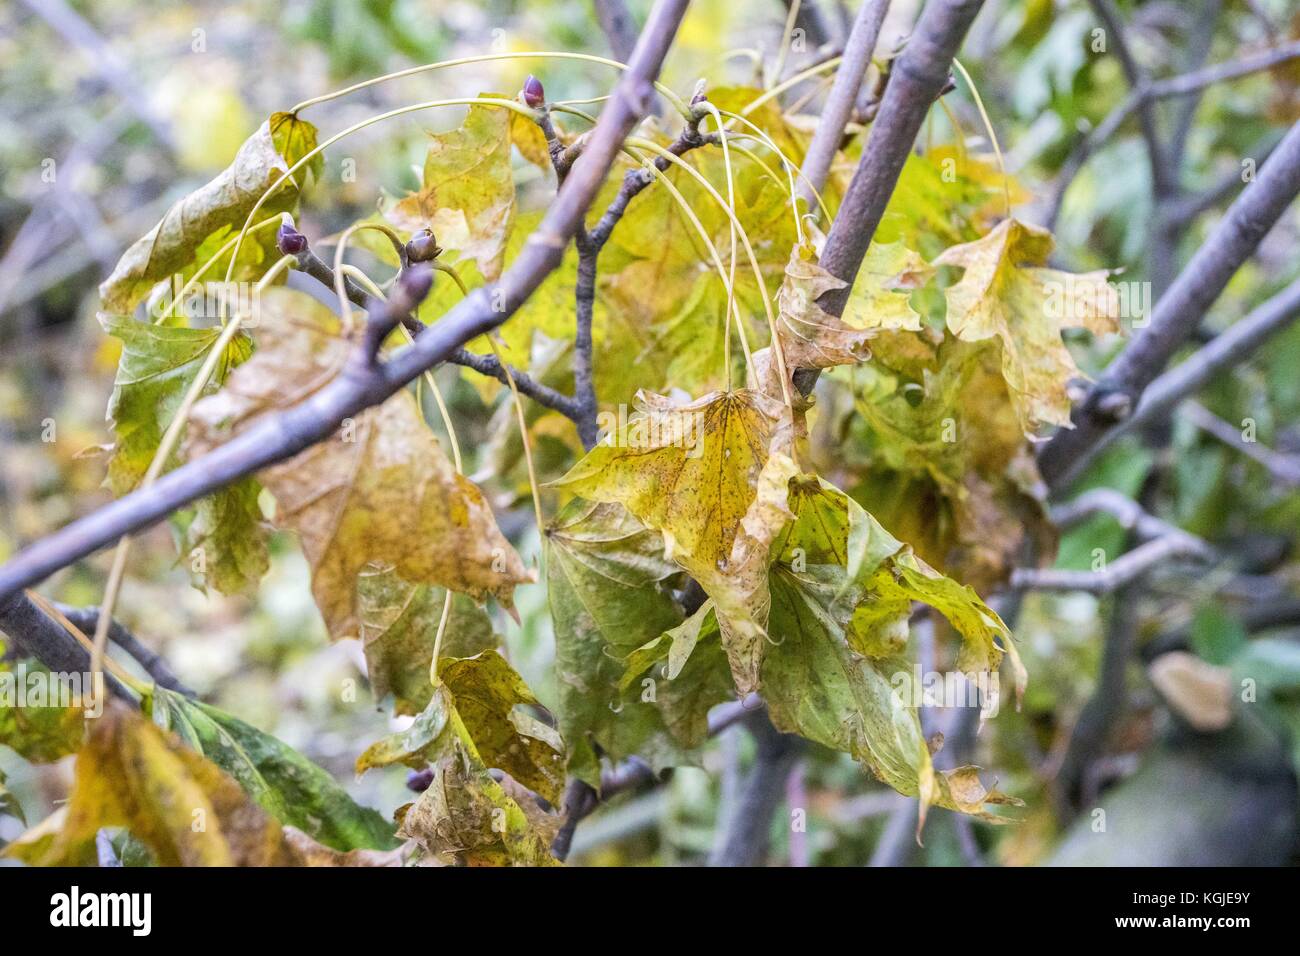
(1123, 570)
(153, 663)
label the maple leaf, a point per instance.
(477, 719)
(842, 589)
(197, 225)
(1005, 295)
(881, 577)
(466, 816)
(157, 367)
(606, 570)
(710, 476)
(467, 193)
(379, 492)
(399, 622)
(480, 701)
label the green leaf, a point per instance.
(282, 781)
(198, 224)
(158, 366)
(41, 731)
(399, 622)
(608, 597)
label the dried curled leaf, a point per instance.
(482, 702)
(710, 475)
(380, 491)
(197, 225)
(1005, 295)
(810, 336)
(841, 598)
(467, 817)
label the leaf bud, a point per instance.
(533, 93)
(290, 241)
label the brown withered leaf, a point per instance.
(380, 491)
(810, 336)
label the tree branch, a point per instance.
(1224, 352)
(38, 635)
(1118, 573)
(580, 799)
(842, 97)
(746, 840)
(279, 436)
(618, 26)
(1177, 313)
(1138, 83)
(1283, 468)
(153, 663)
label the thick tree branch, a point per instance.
(1177, 313)
(842, 97)
(748, 836)
(917, 78)
(279, 436)
(311, 264)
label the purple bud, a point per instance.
(423, 247)
(699, 97)
(415, 282)
(419, 780)
(534, 95)
(290, 241)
